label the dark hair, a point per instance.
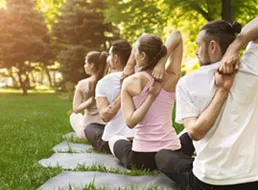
(98, 59)
(221, 31)
(153, 47)
(123, 49)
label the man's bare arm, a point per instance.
(198, 127)
(108, 111)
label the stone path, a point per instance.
(69, 155)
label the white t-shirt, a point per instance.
(228, 154)
(109, 87)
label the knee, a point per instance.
(89, 131)
(162, 160)
(112, 141)
(75, 117)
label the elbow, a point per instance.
(130, 124)
(195, 135)
(178, 34)
(76, 110)
(177, 76)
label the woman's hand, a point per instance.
(159, 72)
(155, 88)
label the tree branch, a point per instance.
(197, 8)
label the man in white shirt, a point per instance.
(108, 100)
(221, 116)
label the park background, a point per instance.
(42, 48)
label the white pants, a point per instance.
(79, 122)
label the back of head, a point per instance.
(154, 49)
(123, 49)
(222, 32)
(98, 59)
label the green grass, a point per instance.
(102, 168)
(30, 126)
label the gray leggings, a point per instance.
(93, 133)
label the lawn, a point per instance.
(30, 126)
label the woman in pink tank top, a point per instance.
(147, 104)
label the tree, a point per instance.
(137, 17)
(23, 39)
(218, 9)
(161, 17)
(209, 9)
(226, 12)
(80, 28)
(50, 9)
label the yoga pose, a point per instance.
(108, 100)
(84, 97)
(219, 112)
(147, 104)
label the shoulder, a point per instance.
(200, 76)
(131, 80)
(83, 81)
(252, 45)
(137, 78)
(102, 81)
(252, 48)
(134, 83)
(110, 77)
(82, 84)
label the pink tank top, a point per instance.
(155, 131)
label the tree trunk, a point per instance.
(48, 75)
(22, 84)
(27, 81)
(197, 8)
(226, 10)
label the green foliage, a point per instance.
(161, 17)
(136, 17)
(244, 11)
(23, 39)
(189, 15)
(80, 28)
(209, 9)
(178, 127)
(50, 9)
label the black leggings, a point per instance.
(93, 133)
(129, 158)
(177, 165)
